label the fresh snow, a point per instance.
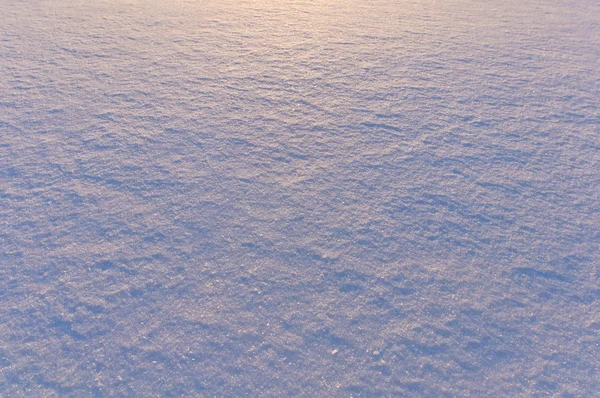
(299, 198)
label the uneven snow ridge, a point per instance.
(299, 198)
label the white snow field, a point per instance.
(312, 198)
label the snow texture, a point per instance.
(299, 198)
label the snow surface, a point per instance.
(299, 198)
